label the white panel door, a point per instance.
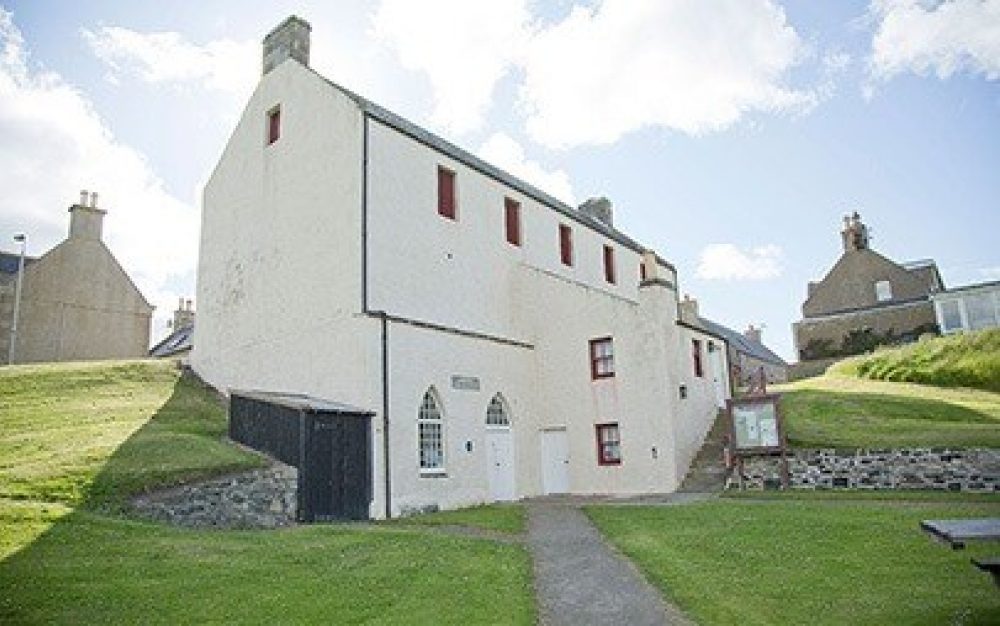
(555, 461)
(719, 377)
(500, 460)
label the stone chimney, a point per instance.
(86, 221)
(753, 334)
(688, 308)
(854, 234)
(184, 315)
(599, 209)
(289, 40)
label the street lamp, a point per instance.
(22, 239)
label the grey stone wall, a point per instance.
(974, 470)
(263, 498)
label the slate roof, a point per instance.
(972, 287)
(428, 138)
(9, 262)
(740, 343)
(181, 340)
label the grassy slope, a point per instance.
(731, 562)
(505, 518)
(77, 439)
(839, 411)
(963, 360)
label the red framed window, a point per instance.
(566, 244)
(602, 358)
(512, 220)
(696, 357)
(609, 264)
(609, 448)
(273, 125)
(446, 193)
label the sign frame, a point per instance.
(772, 399)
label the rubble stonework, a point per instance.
(264, 498)
(942, 469)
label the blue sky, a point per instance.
(731, 135)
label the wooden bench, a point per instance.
(991, 565)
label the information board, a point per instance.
(756, 423)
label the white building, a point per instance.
(503, 339)
(972, 307)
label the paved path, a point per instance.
(580, 580)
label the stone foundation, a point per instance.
(265, 498)
(975, 470)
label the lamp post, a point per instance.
(23, 240)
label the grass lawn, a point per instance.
(95, 433)
(802, 562)
(963, 360)
(840, 411)
(76, 440)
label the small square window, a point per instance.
(273, 125)
(566, 245)
(602, 358)
(883, 291)
(696, 358)
(512, 221)
(446, 193)
(609, 264)
(609, 450)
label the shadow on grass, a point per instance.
(181, 441)
(823, 418)
(96, 565)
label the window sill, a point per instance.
(433, 473)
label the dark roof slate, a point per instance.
(741, 344)
(176, 342)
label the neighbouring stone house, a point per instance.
(77, 303)
(865, 300)
(508, 345)
(970, 307)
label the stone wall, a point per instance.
(264, 498)
(974, 470)
(902, 319)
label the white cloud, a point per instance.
(725, 261)
(942, 37)
(694, 67)
(54, 144)
(506, 153)
(167, 58)
(463, 47)
(600, 73)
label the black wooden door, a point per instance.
(337, 479)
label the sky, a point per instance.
(732, 136)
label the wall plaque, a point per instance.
(465, 383)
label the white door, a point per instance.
(555, 461)
(719, 376)
(500, 460)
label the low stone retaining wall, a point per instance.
(974, 470)
(264, 498)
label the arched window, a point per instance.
(496, 413)
(430, 434)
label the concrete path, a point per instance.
(580, 580)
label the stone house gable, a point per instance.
(850, 284)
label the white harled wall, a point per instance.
(280, 305)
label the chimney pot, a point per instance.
(599, 209)
(83, 197)
(93, 200)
